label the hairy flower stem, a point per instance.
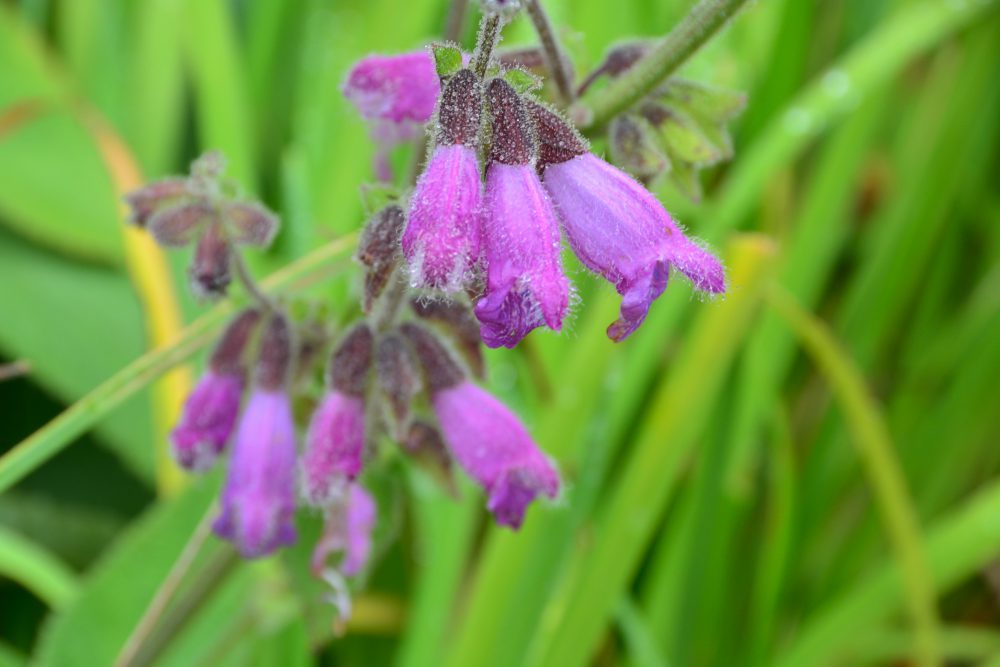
(456, 18)
(489, 33)
(250, 285)
(554, 60)
(707, 17)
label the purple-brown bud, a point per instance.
(378, 249)
(512, 139)
(349, 365)
(276, 354)
(458, 319)
(441, 371)
(209, 270)
(635, 147)
(460, 110)
(398, 380)
(425, 445)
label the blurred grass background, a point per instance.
(806, 473)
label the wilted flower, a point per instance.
(210, 411)
(258, 501)
(618, 228)
(441, 241)
(336, 438)
(348, 530)
(525, 285)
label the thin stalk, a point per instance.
(209, 580)
(707, 17)
(554, 61)
(166, 591)
(14, 369)
(73, 422)
(250, 284)
(456, 19)
(489, 33)
(875, 448)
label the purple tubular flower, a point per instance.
(336, 439)
(616, 227)
(441, 241)
(210, 411)
(525, 285)
(348, 530)
(493, 447)
(207, 420)
(334, 446)
(258, 501)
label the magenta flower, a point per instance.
(616, 227)
(210, 412)
(441, 241)
(348, 530)
(493, 447)
(336, 439)
(207, 420)
(334, 447)
(396, 94)
(258, 502)
(525, 285)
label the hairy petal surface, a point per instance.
(493, 447)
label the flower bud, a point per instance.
(440, 368)
(398, 381)
(351, 361)
(209, 271)
(634, 146)
(229, 354)
(425, 445)
(378, 249)
(459, 321)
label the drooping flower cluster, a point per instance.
(503, 230)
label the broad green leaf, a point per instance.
(53, 184)
(76, 324)
(116, 593)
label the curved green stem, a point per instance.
(55, 436)
(875, 447)
(36, 569)
(703, 21)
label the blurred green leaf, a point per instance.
(36, 569)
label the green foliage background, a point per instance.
(806, 473)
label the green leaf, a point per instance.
(76, 324)
(634, 146)
(36, 569)
(682, 136)
(522, 80)
(447, 59)
(715, 105)
(116, 593)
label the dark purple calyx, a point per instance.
(441, 371)
(378, 250)
(229, 355)
(512, 139)
(558, 140)
(458, 319)
(209, 271)
(276, 354)
(350, 362)
(460, 111)
(398, 379)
